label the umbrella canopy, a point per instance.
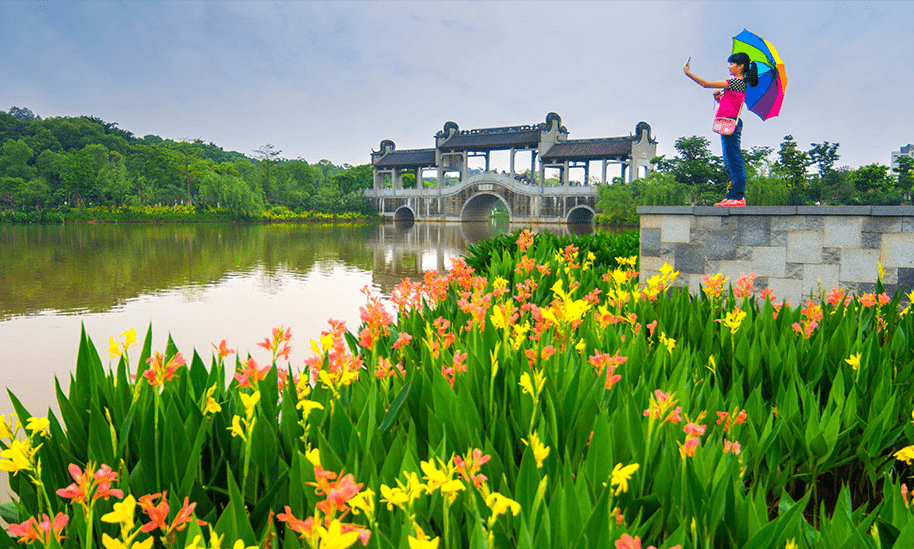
(766, 98)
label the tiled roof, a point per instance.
(591, 149)
(492, 140)
(409, 158)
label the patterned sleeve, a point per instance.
(737, 85)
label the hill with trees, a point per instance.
(61, 164)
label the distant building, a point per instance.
(907, 150)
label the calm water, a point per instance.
(200, 283)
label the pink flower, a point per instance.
(402, 340)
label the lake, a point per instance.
(199, 282)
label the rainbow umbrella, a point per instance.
(766, 98)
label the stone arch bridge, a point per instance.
(438, 184)
(474, 198)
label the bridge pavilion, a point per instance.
(529, 196)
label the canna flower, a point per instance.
(279, 337)
(122, 513)
(37, 425)
(40, 531)
(744, 285)
(249, 401)
(906, 454)
(160, 370)
(304, 528)
(402, 340)
(854, 360)
(18, 457)
(713, 285)
(734, 319)
(540, 450)
(210, 406)
(621, 475)
(223, 349)
(251, 373)
(421, 541)
(688, 449)
(731, 447)
(90, 485)
(501, 505)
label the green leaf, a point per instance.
(234, 523)
(395, 406)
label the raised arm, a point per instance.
(702, 82)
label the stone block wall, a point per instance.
(794, 250)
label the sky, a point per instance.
(331, 80)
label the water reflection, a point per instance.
(199, 282)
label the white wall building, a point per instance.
(907, 150)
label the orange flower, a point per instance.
(160, 371)
(33, 530)
(90, 485)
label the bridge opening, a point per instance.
(387, 181)
(404, 215)
(429, 178)
(553, 176)
(451, 178)
(580, 215)
(482, 207)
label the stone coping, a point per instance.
(878, 211)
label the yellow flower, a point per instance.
(17, 457)
(621, 475)
(791, 544)
(434, 477)
(733, 319)
(333, 537)
(314, 457)
(393, 497)
(540, 450)
(421, 541)
(6, 429)
(854, 360)
(498, 318)
(668, 341)
(362, 502)
(236, 429)
(306, 406)
(122, 513)
(114, 348)
(581, 346)
(249, 402)
(129, 338)
(240, 544)
(37, 425)
(500, 505)
(905, 454)
(527, 385)
(211, 407)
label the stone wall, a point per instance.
(794, 250)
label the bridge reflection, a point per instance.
(401, 250)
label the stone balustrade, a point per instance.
(794, 250)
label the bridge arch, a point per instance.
(581, 214)
(478, 207)
(404, 214)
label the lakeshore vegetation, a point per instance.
(83, 168)
(536, 395)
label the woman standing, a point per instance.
(743, 72)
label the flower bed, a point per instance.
(547, 404)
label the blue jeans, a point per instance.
(733, 163)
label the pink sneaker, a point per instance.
(730, 202)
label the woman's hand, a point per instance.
(718, 94)
(685, 68)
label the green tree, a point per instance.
(905, 171)
(872, 178)
(14, 160)
(696, 167)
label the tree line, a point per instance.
(65, 163)
(791, 176)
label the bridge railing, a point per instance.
(515, 184)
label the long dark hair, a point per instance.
(750, 69)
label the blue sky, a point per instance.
(332, 79)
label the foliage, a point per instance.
(607, 248)
(546, 404)
(767, 191)
(65, 162)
